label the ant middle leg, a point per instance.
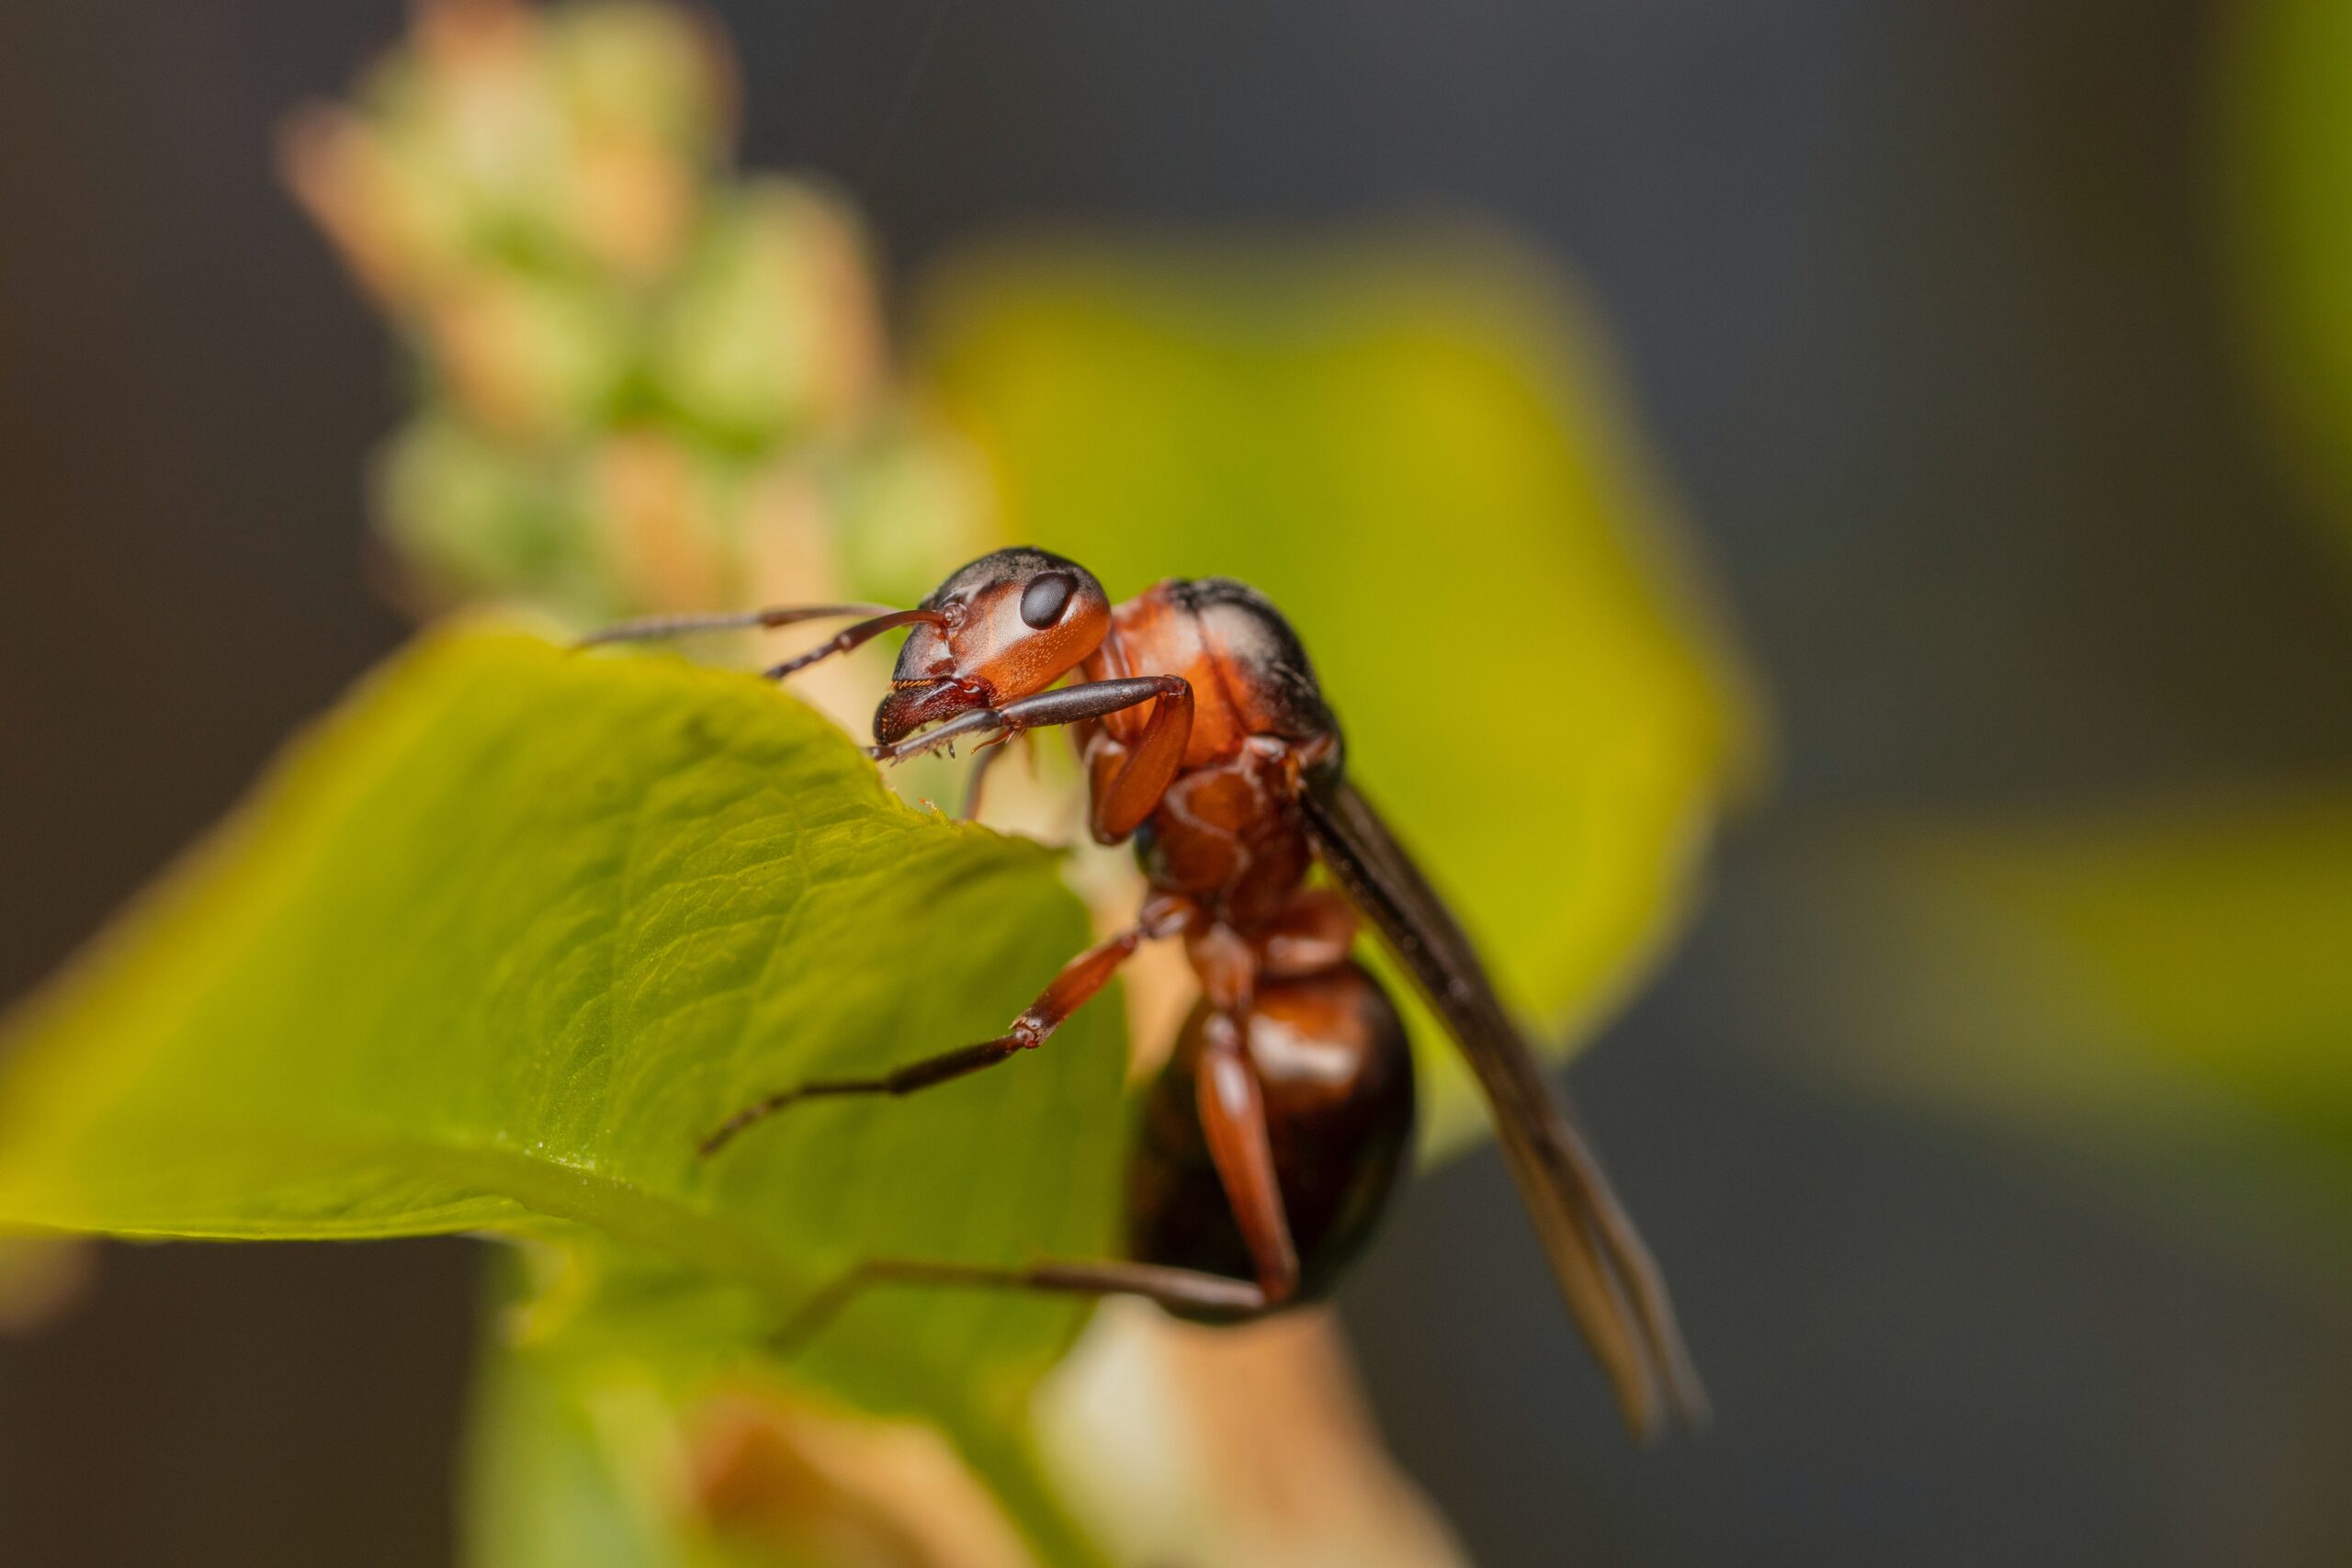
(987, 756)
(1077, 984)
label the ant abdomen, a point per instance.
(1333, 1063)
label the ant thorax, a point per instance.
(1248, 672)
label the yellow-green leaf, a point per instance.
(498, 940)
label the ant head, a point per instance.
(1005, 627)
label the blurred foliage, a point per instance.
(543, 1489)
(2286, 165)
(2152, 983)
(1415, 448)
(645, 382)
(581, 1451)
(2166, 982)
(499, 942)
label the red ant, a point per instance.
(1272, 1138)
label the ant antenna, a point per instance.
(851, 637)
(653, 627)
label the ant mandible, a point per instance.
(1272, 1138)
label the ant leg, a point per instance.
(1081, 978)
(650, 628)
(1126, 782)
(1233, 1114)
(1066, 704)
(943, 1068)
(1180, 1290)
(1233, 1118)
(982, 760)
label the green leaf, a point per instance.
(1418, 453)
(497, 942)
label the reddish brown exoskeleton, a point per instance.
(1271, 1141)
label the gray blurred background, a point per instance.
(1920, 302)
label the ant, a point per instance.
(1272, 1140)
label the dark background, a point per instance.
(1921, 303)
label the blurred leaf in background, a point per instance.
(1417, 449)
(2169, 984)
(2164, 979)
(2286, 166)
(499, 942)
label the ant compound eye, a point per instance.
(1048, 595)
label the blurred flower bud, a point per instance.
(657, 74)
(574, 141)
(630, 359)
(667, 520)
(472, 518)
(531, 358)
(774, 330)
(908, 499)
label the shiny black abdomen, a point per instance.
(1337, 1072)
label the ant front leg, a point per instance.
(1169, 727)
(1080, 979)
(1126, 786)
(1125, 782)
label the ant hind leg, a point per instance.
(1188, 1291)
